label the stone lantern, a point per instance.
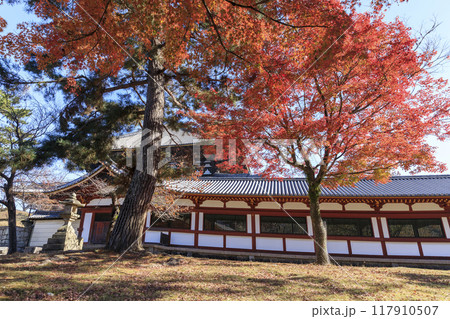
(66, 237)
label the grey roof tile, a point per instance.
(422, 185)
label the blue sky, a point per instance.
(414, 13)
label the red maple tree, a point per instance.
(360, 104)
(169, 41)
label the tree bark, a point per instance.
(320, 232)
(12, 230)
(128, 229)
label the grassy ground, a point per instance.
(161, 277)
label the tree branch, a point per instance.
(125, 86)
(273, 19)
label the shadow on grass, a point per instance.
(152, 277)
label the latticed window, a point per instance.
(182, 221)
(225, 222)
(423, 228)
(283, 225)
(352, 227)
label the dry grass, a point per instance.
(160, 277)
(20, 215)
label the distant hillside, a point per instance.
(20, 216)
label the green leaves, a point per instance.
(17, 140)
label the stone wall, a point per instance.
(23, 235)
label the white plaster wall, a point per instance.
(446, 226)
(309, 225)
(44, 229)
(300, 245)
(184, 239)
(330, 206)
(402, 249)
(268, 205)
(436, 249)
(237, 204)
(366, 248)
(376, 231)
(148, 221)
(206, 240)
(384, 227)
(239, 242)
(427, 207)
(358, 207)
(398, 207)
(86, 227)
(184, 202)
(152, 236)
(269, 243)
(294, 205)
(257, 224)
(337, 247)
(200, 221)
(193, 216)
(249, 223)
(212, 203)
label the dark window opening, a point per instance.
(102, 217)
(283, 225)
(411, 228)
(225, 222)
(182, 221)
(352, 227)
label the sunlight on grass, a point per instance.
(159, 277)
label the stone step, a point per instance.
(50, 247)
(58, 241)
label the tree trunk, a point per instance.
(320, 232)
(12, 240)
(128, 229)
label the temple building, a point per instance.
(405, 219)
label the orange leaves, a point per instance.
(346, 90)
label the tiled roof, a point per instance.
(47, 214)
(399, 186)
(42, 214)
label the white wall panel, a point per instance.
(337, 247)
(152, 236)
(376, 231)
(436, 249)
(257, 224)
(184, 239)
(309, 225)
(366, 248)
(86, 227)
(44, 229)
(446, 226)
(200, 221)
(249, 223)
(269, 243)
(149, 218)
(384, 227)
(402, 249)
(210, 240)
(300, 245)
(193, 216)
(239, 242)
